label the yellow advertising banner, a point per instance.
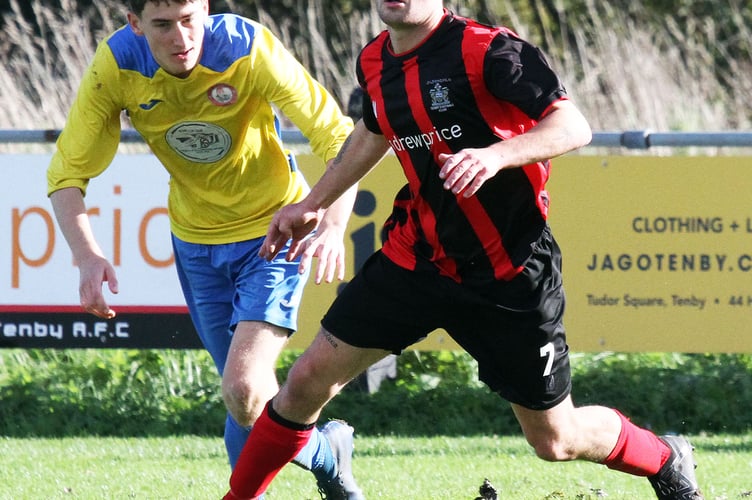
(657, 251)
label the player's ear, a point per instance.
(135, 23)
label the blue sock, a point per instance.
(235, 437)
(317, 457)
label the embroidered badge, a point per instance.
(222, 94)
(439, 97)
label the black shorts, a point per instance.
(512, 328)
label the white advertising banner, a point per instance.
(127, 211)
(39, 280)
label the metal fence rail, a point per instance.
(631, 139)
(645, 139)
(9, 136)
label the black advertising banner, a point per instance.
(72, 328)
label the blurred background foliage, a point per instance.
(167, 392)
(664, 65)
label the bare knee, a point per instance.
(305, 393)
(555, 433)
(305, 385)
(552, 448)
(244, 399)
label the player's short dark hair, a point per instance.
(137, 6)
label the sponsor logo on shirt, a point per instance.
(426, 139)
(199, 141)
(149, 105)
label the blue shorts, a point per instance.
(227, 283)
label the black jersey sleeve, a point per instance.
(517, 72)
(369, 118)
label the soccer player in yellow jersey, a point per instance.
(200, 89)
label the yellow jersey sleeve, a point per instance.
(285, 82)
(90, 139)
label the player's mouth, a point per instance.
(183, 55)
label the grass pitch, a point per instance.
(390, 467)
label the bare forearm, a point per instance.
(563, 130)
(70, 212)
(339, 211)
(94, 269)
(360, 153)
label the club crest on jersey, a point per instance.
(199, 141)
(439, 96)
(222, 94)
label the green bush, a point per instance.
(160, 393)
(108, 392)
(686, 393)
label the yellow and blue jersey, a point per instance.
(215, 131)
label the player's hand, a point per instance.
(467, 170)
(94, 272)
(292, 222)
(327, 245)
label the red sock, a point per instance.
(637, 451)
(273, 443)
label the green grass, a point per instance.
(387, 468)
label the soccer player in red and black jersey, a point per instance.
(473, 113)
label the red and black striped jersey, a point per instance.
(467, 85)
